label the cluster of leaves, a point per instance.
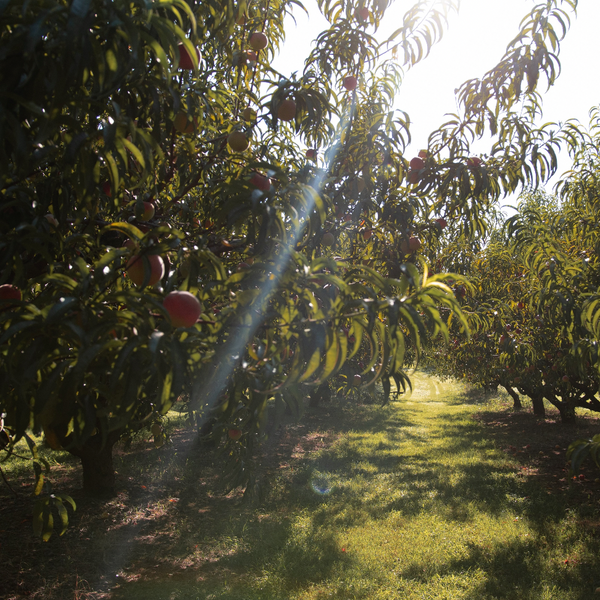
(99, 119)
(310, 274)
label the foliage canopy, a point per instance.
(308, 266)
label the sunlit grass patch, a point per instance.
(430, 509)
(19, 464)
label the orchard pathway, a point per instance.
(423, 498)
(430, 497)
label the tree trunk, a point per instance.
(516, 399)
(97, 464)
(567, 412)
(538, 405)
(319, 394)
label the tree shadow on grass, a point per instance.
(514, 570)
(299, 559)
(271, 542)
(180, 537)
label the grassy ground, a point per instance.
(447, 495)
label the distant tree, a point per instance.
(533, 300)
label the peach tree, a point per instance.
(532, 304)
(150, 147)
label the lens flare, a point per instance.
(321, 483)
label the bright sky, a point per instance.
(474, 42)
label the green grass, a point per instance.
(416, 500)
(413, 502)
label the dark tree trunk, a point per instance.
(206, 429)
(97, 464)
(567, 412)
(516, 399)
(538, 405)
(566, 405)
(319, 394)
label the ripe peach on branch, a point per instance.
(410, 245)
(183, 308)
(148, 269)
(185, 59)
(8, 291)
(234, 434)
(350, 82)
(287, 110)
(417, 163)
(258, 41)
(237, 141)
(182, 124)
(249, 114)
(145, 212)
(362, 14)
(260, 182)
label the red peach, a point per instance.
(185, 60)
(287, 110)
(258, 41)
(10, 292)
(362, 13)
(417, 163)
(147, 213)
(410, 245)
(182, 124)
(234, 434)
(350, 83)
(183, 308)
(260, 182)
(150, 267)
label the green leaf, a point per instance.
(62, 513)
(312, 366)
(128, 229)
